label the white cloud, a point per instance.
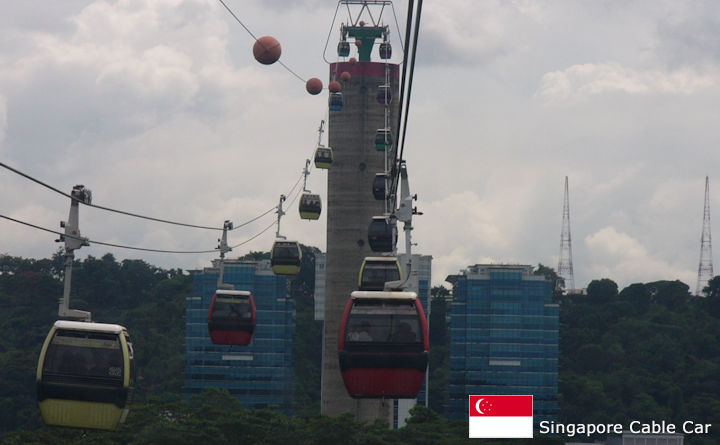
(589, 79)
(625, 260)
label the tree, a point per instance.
(604, 288)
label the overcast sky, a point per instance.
(160, 109)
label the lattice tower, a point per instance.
(565, 263)
(705, 268)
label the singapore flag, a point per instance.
(501, 416)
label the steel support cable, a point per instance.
(410, 77)
(135, 215)
(104, 243)
(256, 39)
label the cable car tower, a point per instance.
(705, 268)
(356, 162)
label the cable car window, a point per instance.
(85, 354)
(286, 251)
(231, 308)
(375, 275)
(383, 322)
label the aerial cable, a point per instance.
(104, 243)
(255, 236)
(410, 79)
(257, 40)
(150, 218)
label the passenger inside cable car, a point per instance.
(323, 157)
(85, 375)
(231, 317)
(310, 206)
(286, 257)
(383, 345)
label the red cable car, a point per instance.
(231, 317)
(383, 345)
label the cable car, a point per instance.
(383, 345)
(383, 139)
(323, 157)
(384, 94)
(310, 206)
(378, 186)
(336, 101)
(85, 375)
(378, 270)
(285, 257)
(385, 50)
(231, 317)
(381, 235)
(343, 48)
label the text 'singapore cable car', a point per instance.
(378, 186)
(310, 206)
(323, 157)
(381, 234)
(286, 257)
(85, 375)
(378, 270)
(231, 317)
(383, 345)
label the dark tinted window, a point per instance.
(84, 354)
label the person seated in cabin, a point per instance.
(403, 334)
(360, 332)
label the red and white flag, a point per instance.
(501, 417)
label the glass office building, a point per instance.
(260, 374)
(503, 338)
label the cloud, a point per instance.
(625, 260)
(590, 79)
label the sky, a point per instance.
(159, 108)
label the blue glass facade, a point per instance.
(503, 338)
(260, 374)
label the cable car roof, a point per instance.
(86, 326)
(232, 292)
(367, 294)
(387, 259)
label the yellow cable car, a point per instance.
(85, 375)
(323, 157)
(310, 206)
(286, 257)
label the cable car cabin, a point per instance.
(381, 235)
(310, 206)
(383, 345)
(384, 94)
(383, 139)
(385, 50)
(378, 270)
(285, 257)
(85, 375)
(343, 48)
(336, 101)
(231, 318)
(323, 157)
(378, 186)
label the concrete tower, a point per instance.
(350, 208)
